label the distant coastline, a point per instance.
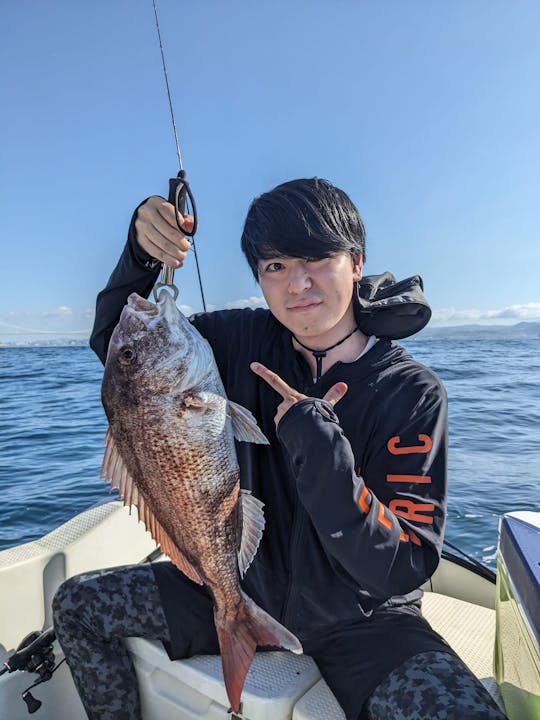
(43, 342)
(525, 330)
(480, 332)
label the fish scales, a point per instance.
(202, 520)
(170, 450)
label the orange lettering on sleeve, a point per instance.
(414, 537)
(424, 447)
(362, 500)
(407, 535)
(409, 478)
(382, 518)
(412, 511)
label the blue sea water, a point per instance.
(52, 426)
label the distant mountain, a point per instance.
(473, 332)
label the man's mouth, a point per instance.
(304, 306)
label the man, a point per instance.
(353, 482)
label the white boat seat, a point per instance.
(280, 686)
(193, 689)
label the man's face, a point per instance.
(312, 298)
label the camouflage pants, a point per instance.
(433, 685)
(93, 612)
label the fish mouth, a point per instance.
(165, 306)
(163, 314)
(140, 305)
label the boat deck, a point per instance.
(458, 603)
(468, 628)
(287, 681)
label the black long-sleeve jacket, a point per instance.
(355, 496)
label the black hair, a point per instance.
(307, 218)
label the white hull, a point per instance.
(459, 603)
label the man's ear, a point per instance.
(358, 266)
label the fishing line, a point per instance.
(168, 88)
(179, 190)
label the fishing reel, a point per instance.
(34, 654)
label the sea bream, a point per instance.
(170, 452)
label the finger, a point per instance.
(336, 392)
(157, 211)
(159, 239)
(167, 212)
(156, 217)
(279, 385)
(161, 247)
(187, 222)
(167, 253)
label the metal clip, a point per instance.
(165, 283)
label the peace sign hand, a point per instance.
(290, 395)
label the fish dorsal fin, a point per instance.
(114, 471)
(252, 529)
(244, 424)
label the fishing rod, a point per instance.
(180, 194)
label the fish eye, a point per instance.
(126, 355)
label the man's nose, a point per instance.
(299, 279)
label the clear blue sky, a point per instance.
(426, 113)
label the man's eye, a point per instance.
(274, 267)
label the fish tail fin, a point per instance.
(239, 637)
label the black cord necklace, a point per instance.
(320, 354)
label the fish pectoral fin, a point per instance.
(114, 470)
(244, 424)
(252, 529)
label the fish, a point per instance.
(170, 452)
